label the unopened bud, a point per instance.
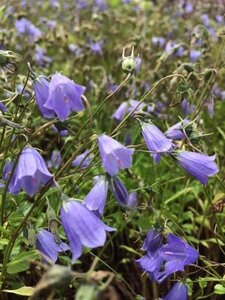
(129, 62)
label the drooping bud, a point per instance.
(119, 191)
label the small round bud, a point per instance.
(129, 64)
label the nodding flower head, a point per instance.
(114, 155)
(64, 96)
(29, 174)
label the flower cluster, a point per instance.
(58, 97)
(161, 259)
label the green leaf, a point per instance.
(219, 289)
(23, 291)
(21, 262)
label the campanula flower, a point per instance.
(205, 20)
(40, 56)
(30, 172)
(48, 246)
(179, 291)
(120, 112)
(41, 92)
(96, 47)
(152, 262)
(119, 190)
(114, 155)
(64, 96)
(187, 107)
(24, 26)
(3, 108)
(219, 19)
(83, 160)
(176, 132)
(49, 24)
(101, 5)
(156, 141)
(158, 41)
(81, 4)
(121, 194)
(195, 54)
(55, 160)
(82, 227)
(173, 48)
(201, 166)
(134, 104)
(61, 130)
(209, 104)
(95, 200)
(188, 7)
(76, 50)
(177, 254)
(126, 107)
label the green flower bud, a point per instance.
(129, 64)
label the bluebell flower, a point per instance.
(199, 165)
(126, 107)
(61, 131)
(64, 96)
(179, 291)
(177, 254)
(81, 161)
(132, 200)
(30, 172)
(195, 54)
(174, 49)
(126, 1)
(82, 227)
(152, 261)
(205, 20)
(219, 19)
(138, 61)
(209, 104)
(55, 160)
(76, 50)
(40, 57)
(188, 7)
(81, 4)
(111, 87)
(25, 27)
(96, 47)
(119, 191)
(114, 155)
(26, 93)
(176, 132)
(133, 103)
(49, 24)
(3, 108)
(187, 107)
(54, 3)
(120, 112)
(101, 4)
(41, 92)
(121, 194)
(156, 141)
(158, 41)
(95, 200)
(47, 245)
